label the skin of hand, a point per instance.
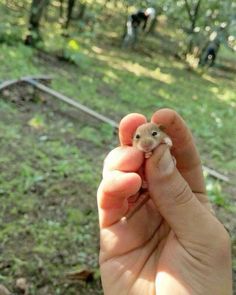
(173, 244)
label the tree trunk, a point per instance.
(70, 7)
(82, 9)
(36, 12)
(61, 8)
(193, 15)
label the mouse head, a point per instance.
(148, 136)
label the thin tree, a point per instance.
(36, 12)
(193, 13)
(70, 7)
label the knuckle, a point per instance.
(178, 190)
(183, 195)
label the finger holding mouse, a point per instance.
(146, 138)
(173, 245)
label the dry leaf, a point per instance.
(36, 123)
(80, 275)
(22, 285)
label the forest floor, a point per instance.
(51, 155)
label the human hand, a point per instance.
(173, 244)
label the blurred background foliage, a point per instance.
(196, 18)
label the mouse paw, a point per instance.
(148, 155)
(168, 141)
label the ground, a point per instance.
(51, 155)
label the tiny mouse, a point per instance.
(148, 136)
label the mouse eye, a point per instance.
(137, 136)
(154, 133)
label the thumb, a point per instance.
(176, 202)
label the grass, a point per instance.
(116, 83)
(51, 155)
(48, 220)
(120, 83)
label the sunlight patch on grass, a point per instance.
(136, 69)
(111, 34)
(97, 50)
(165, 78)
(112, 75)
(225, 95)
(228, 95)
(139, 71)
(215, 90)
(210, 78)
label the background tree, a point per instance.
(35, 15)
(198, 19)
(70, 7)
(192, 8)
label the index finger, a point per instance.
(184, 149)
(128, 126)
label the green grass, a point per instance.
(47, 190)
(115, 83)
(118, 83)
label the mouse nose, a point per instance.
(147, 144)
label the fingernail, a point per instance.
(166, 164)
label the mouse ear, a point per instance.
(161, 127)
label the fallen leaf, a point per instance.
(36, 123)
(22, 285)
(80, 275)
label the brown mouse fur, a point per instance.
(148, 136)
